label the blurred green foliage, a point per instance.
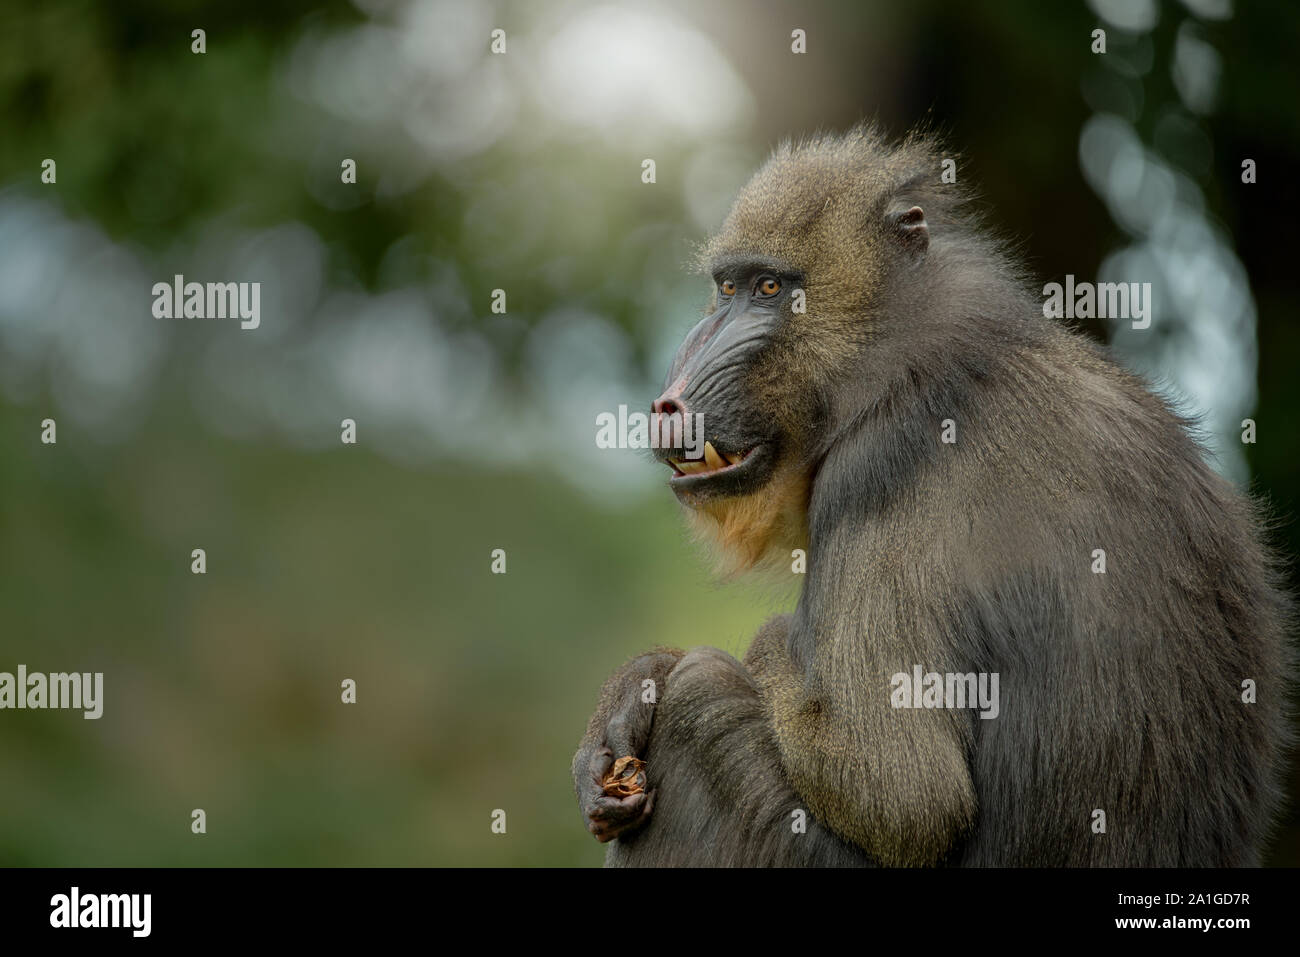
(223, 691)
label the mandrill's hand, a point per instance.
(610, 814)
(612, 792)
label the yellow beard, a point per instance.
(763, 527)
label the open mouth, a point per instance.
(713, 461)
(714, 464)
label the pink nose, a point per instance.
(668, 404)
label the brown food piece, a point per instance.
(625, 778)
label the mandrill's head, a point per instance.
(815, 272)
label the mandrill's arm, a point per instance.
(620, 727)
(895, 782)
(714, 777)
(734, 751)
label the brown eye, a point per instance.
(728, 287)
(769, 287)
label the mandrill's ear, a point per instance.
(910, 231)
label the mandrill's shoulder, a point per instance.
(1048, 447)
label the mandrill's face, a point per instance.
(714, 387)
(725, 431)
(789, 352)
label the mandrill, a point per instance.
(981, 493)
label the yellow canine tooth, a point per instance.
(690, 468)
(712, 457)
